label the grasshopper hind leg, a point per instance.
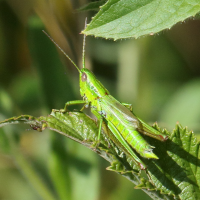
(118, 139)
(122, 143)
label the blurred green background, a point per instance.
(159, 75)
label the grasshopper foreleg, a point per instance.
(76, 102)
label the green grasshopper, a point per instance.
(123, 124)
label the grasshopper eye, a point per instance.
(84, 77)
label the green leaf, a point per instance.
(119, 19)
(178, 169)
(175, 175)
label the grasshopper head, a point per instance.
(90, 87)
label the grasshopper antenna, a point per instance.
(61, 50)
(84, 43)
